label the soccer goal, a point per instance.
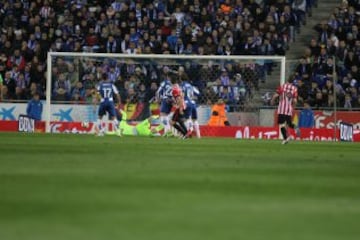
(72, 77)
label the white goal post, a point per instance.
(161, 58)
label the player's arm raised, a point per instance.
(274, 97)
(159, 92)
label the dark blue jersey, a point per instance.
(189, 92)
(164, 91)
(107, 90)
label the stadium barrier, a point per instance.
(238, 132)
(67, 118)
(264, 117)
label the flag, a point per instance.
(295, 119)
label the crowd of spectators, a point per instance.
(138, 82)
(330, 64)
(29, 29)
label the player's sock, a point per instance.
(164, 120)
(173, 132)
(115, 124)
(116, 129)
(99, 124)
(177, 127)
(283, 133)
(297, 131)
(197, 129)
(188, 124)
(180, 128)
(182, 125)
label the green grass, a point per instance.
(84, 187)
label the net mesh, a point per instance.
(234, 81)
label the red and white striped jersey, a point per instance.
(179, 102)
(287, 98)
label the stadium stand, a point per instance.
(29, 29)
(333, 43)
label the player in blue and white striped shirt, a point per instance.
(164, 96)
(107, 91)
(190, 93)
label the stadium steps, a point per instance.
(270, 84)
(297, 48)
(302, 40)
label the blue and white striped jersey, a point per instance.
(164, 91)
(190, 91)
(107, 91)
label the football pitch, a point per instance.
(65, 186)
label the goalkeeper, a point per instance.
(141, 129)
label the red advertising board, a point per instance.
(311, 134)
(240, 132)
(325, 119)
(8, 126)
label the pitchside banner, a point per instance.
(238, 132)
(346, 132)
(88, 113)
(325, 119)
(80, 113)
(67, 118)
(26, 124)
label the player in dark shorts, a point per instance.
(178, 118)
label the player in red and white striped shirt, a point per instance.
(178, 118)
(287, 94)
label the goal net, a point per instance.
(238, 81)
